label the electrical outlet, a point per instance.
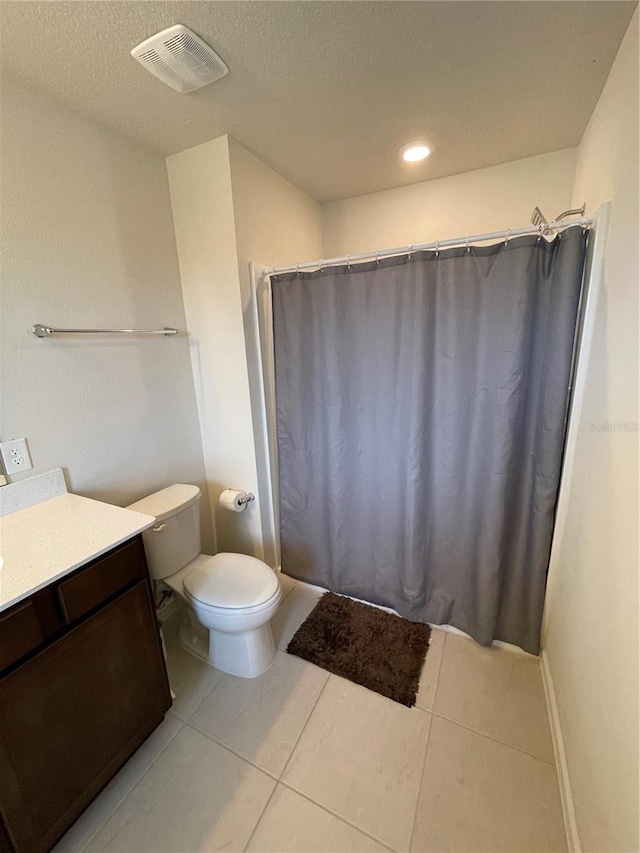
(15, 455)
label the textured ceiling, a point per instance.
(326, 92)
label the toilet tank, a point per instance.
(174, 540)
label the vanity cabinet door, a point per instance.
(72, 715)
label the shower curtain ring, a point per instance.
(297, 269)
(468, 244)
(377, 259)
(410, 253)
(437, 248)
(349, 263)
(507, 237)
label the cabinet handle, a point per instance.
(159, 528)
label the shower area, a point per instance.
(415, 418)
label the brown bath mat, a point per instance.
(364, 644)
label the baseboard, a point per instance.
(570, 823)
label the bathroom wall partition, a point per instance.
(420, 422)
(260, 357)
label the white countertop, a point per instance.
(46, 541)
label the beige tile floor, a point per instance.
(300, 760)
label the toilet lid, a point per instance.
(232, 580)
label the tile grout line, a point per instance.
(130, 791)
(424, 767)
(227, 748)
(277, 780)
(294, 583)
(320, 805)
(494, 739)
(283, 648)
(437, 680)
(435, 692)
(306, 723)
(266, 806)
(337, 816)
(207, 694)
(470, 728)
(188, 722)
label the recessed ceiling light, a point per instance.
(413, 152)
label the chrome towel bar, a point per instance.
(41, 331)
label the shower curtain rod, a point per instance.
(541, 230)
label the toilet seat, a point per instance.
(232, 583)
(232, 612)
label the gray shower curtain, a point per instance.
(421, 407)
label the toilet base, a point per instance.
(246, 655)
(193, 637)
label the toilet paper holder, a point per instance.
(235, 500)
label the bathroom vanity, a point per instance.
(82, 673)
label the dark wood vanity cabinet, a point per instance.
(82, 684)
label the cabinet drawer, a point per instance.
(28, 626)
(101, 580)
(20, 633)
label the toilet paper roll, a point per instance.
(230, 499)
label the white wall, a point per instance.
(275, 224)
(491, 199)
(200, 182)
(229, 209)
(591, 638)
(88, 241)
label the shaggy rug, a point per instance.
(368, 646)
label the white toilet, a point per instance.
(227, 600)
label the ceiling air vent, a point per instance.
(180, 59)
